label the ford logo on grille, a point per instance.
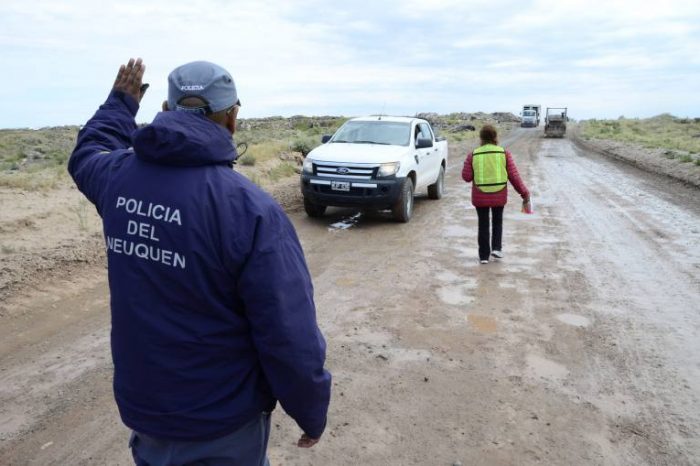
(342, 171)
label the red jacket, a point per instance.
(500, 198)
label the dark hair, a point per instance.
(488, 135)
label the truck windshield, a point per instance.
(529, 113)
(374, 132)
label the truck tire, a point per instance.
(403, 208)
(437, 189)
(314, 210)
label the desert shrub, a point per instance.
(31, 181)
(302, 145)
(302, 124)
(82, 211)
(455, 137)
(248, 160)
(280, 171)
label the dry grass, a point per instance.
(663, 131)
(32, 160)
(36, 159)
(248, 160)
(270, 137)
(261, 152)
(34, 180)
(280, 171)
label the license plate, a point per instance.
(340, 185)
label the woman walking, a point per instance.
(489, 168)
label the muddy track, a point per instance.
(580, 347)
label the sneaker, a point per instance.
(497, 254)
(485, 261)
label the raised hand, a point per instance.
(129, 79)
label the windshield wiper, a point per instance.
(339, 140)
(372, 142)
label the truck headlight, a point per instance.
(388, 169)
(308, 166)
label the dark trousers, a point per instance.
(247, 446)
(485, 247)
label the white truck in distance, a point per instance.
(530, 116)
(376, 162)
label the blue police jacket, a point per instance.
(213, 317)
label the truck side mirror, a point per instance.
(325, 138)
(424, 143)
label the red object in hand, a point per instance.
(527, 207)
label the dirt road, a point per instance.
(582, 346)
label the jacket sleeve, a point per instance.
(276, 289)
(468, 169)
(514, 177)
(108, 130)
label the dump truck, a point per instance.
(530, 116)
(555, 122)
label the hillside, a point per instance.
(679, 137)
(32, 159)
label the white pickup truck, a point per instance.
(376, 162)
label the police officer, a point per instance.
(213, 317)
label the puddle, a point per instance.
(454, 295)
(458, 231)
(484, 324)
(574, 320)
(545, 240)
(448, 277)
(545, 368)
(345, 223)
(457, 280)
(516, 259)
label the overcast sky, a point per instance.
(599, 58)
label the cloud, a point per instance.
(616, 60)
(314, 56)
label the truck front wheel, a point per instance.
(403, 208)
(314, 210)
(437, 189)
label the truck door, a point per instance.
(429, 157)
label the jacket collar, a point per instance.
(184, 139)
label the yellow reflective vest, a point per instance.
(489, 164)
